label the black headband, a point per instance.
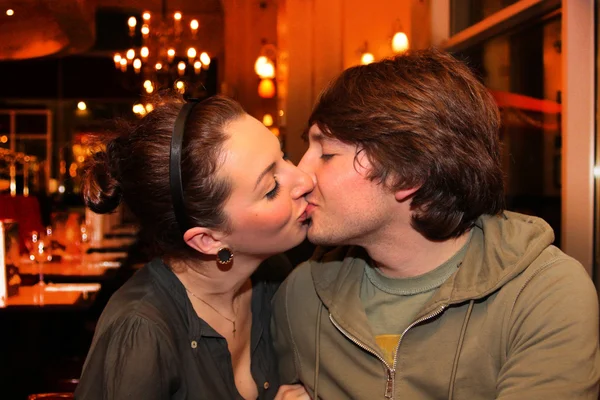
(175, 166)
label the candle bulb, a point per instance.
(117, 59)
(132, 22)
(194, 27)
(181, 68)
(191, 53)
(137, 65)
(170, 54)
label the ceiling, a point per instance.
(69, 26)
(184, 6)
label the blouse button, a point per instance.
(194, 344)
(266, 385)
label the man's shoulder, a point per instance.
(325, 263)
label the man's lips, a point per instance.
(309, 208)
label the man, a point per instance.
(436, 292)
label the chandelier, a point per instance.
(167, 57)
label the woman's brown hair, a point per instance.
(424, 120)
(134, 168)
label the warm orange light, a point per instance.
(158, 66)
(267, 120)
(177, 16)
(197, 66)
(145, 30)
(205, 59)
(132, 22)
(170, 54)
(10, 12)
(130, 54)
(137, 64)
(194, 25)
(181, 68)
(191, 53)
(144, 52)
(367, 58)
(266, 89)
(82, 106)
(146, 16)
(400, 42)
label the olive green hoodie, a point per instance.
(518, 320)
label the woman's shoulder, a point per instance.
(139, 300)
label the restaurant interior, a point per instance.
(69, 69)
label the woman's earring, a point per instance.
(224, 256)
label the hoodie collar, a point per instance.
(502, 246)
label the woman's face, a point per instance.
(266, 209)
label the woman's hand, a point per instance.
(292, 392)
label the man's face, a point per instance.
(345, 207)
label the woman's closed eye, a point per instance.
(327, 157)
(274, 192)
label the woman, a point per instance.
(215, 198)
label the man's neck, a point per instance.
(406, 253)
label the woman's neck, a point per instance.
(217, 285)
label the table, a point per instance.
(111, 245)
(53, 295)
(95, 265)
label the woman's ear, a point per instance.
(204, 240)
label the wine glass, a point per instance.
(40, 252)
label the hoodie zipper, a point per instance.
(389, 384)
(391, 371)
(420, 320)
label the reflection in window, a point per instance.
(522, 69)
(465, 13)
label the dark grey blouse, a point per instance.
(150, 343)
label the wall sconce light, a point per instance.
(399, 39)
(266, 89)
(264, 66)
(366, 57)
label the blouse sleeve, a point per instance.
(134, 360)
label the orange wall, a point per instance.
(246, 24)
(323, 37)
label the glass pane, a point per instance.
(522, 69)
(31, 123)
(465, 13)
(4, 123)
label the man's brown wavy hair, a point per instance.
(424, 120)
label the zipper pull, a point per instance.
(389, 385)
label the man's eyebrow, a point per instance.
(270, 168)
(317, 137)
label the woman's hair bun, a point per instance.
(101, 188)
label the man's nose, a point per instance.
(307, 166)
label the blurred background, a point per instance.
(68, 68)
